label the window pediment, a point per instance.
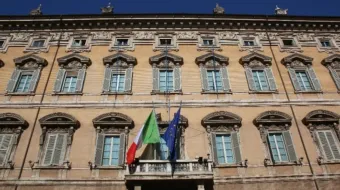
(126, 60)
(221, 118)
(255, 60)
(159, 59)
(30, 61)
(273, 118)
(321, 116)
(297, 60)
(183, 121)
(113, 119)
(12, 119)
(209, 58)
(333, 61)
(74, 60)
(59, 119)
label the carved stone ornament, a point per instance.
(101, 35)
(183, 123)
(36, 11)
(221, 121)
(165, 60)
(250, 37)
(74, 60)
(211, 60)
(39, 37)
(30, 62)
(332, 61)
(264, 36)
(256, 60)
(295, 47)
(120, 60)
(163, 48)
(187, 35)
(297, 60)
(79, 48)
(108, 9)
(218, 9)
(113, 122)
(216, 46)
(144, 35)
(305, 37)
(227, 35)
(332, 49)
(115, 46)
(20, 37)
(279, 11)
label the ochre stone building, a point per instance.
(259, 94)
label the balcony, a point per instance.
(163, 169)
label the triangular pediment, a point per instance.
(120, 56)
(297, 57)
(171, 57)
(331, 59)
(212, 56)
(255, 56)
(30, 58)
(74, 57)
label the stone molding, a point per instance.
(12, 120)
(297, 60)
(113, 120)
(221, 121)
(59, 119)
(74, 60)
(30, 61)
(127, 59)
(204, 59)
(255, 59)
(158, 59)
(332, 61)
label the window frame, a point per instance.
(163, 36)
(303, 83)
(119, 73)
(74, 76)
(277, 148)
(224, 149)
(111, 150)
(322, 150)
(130, 46)
(259, 81)
(216, 88)
(37, 49)
(71, 47)
(22, 73)
(250, 37)
(333, 67)
(45, 149)
(167, 82)
(332, 49)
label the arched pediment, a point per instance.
(120, 56)
(289, 60)
(74, 57)
(170, 57)
(203, 59)
(113, 119)
(333, 60)
(273, 117)
(59, 119)
(30, 59)
(221, 118)
(321, 116)
(248, 59)
(12, 119)
(183, 121)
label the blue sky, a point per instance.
(295, 7)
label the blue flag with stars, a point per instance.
(170, 136)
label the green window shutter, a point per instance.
(177, 79)
(213, 147)
(236, 147)
(59, 150)
(335, 77)
(13, 81)
(155, 81)
(294, 79)
(333, 145)
(225, 78)
(80, 80)
(324, 145)
(34, 81)
(128, 79)
(49, 150)
(289, 146)
(59, 80)
(121, 159)
(107, 79)
(250, 79)
(204, 78)
(5, 147)
(314, 79)
(271, 79)
(99, 149)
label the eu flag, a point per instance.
(170, 135)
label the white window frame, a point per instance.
(214, 80)
(64, 81)
(166, 80)
(258, 78)
(276, 146)
(303, 83)
(19, 79)
(224, 148)
(117, 85)
(111, 148)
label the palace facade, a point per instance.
(259, 96)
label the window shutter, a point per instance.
(121, 159)
(324, 145)
(315, 80)
(250, 79)
(99, 149)
(204, 78)
(6, 142)
(59, 81)
(13, 81)
(59, 150)
(333, 145)
(271, 79)
(335, 77)
(236, 147)
(80, 80)
(213, 147)
(107, 79)
(128, 80)
(294, 79)
(225, 78)
(49, 150)
(289, 146)
(177, 78)
(34, 81)
(155, 76)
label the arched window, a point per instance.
(324, 128)
(214, 73)
(301, 73)
(333, 64)
(223, 130)
(112, 133)
(274, 130)
(56, 139)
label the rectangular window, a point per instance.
(38, 43)
(164, 42)
(70, 82)
(122, 42)
(166, 80)
(214, 80)
(224, 149)
(260, 79)
(208, 42)
(288, 42)
(164, 151)
(111, 151)
(79, 43)
(117, 83)
(325, 43)
(249, 43)
(2, 43)
(329, 145)
(23, 82)
(5, 147)
(277, 147)
(55, 149)
(303, 79)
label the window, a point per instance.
(2, 42)
(6, 141)
(122, 42)
(38, 43)
(277, 147)
(24, 82)
(288, 42)
(55, 149)
(111, 150)
(79, 43)
(303, 80)
(325, 43)
(249, 43)
(164, 42)
(70, 82)
(329, 145)
(166, 80)
(260, 79)
(208, 42)
(164, 151)
(214, 80)
(117, 83)
(224, 149)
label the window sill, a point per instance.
(109, 167)
(308, 92)
(164, 93)
(20, 94)
(116, 93)
(264, 92)
(51, 167)
(282, 164)
(229, 166)
(213, 92)
(328, 162)
(67, 93)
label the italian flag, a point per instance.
(148, 134)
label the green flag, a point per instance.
(150, 131)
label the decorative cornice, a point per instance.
(221, 118)
(171, 57)
(209, 56)
(329, 60)
(256, 56)
(113, 119)
(12, 119)
(74, 56)
(321, 117)
(120, 56)
(272, 117)
(21, 61)
(59, 119)
(296, 56)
